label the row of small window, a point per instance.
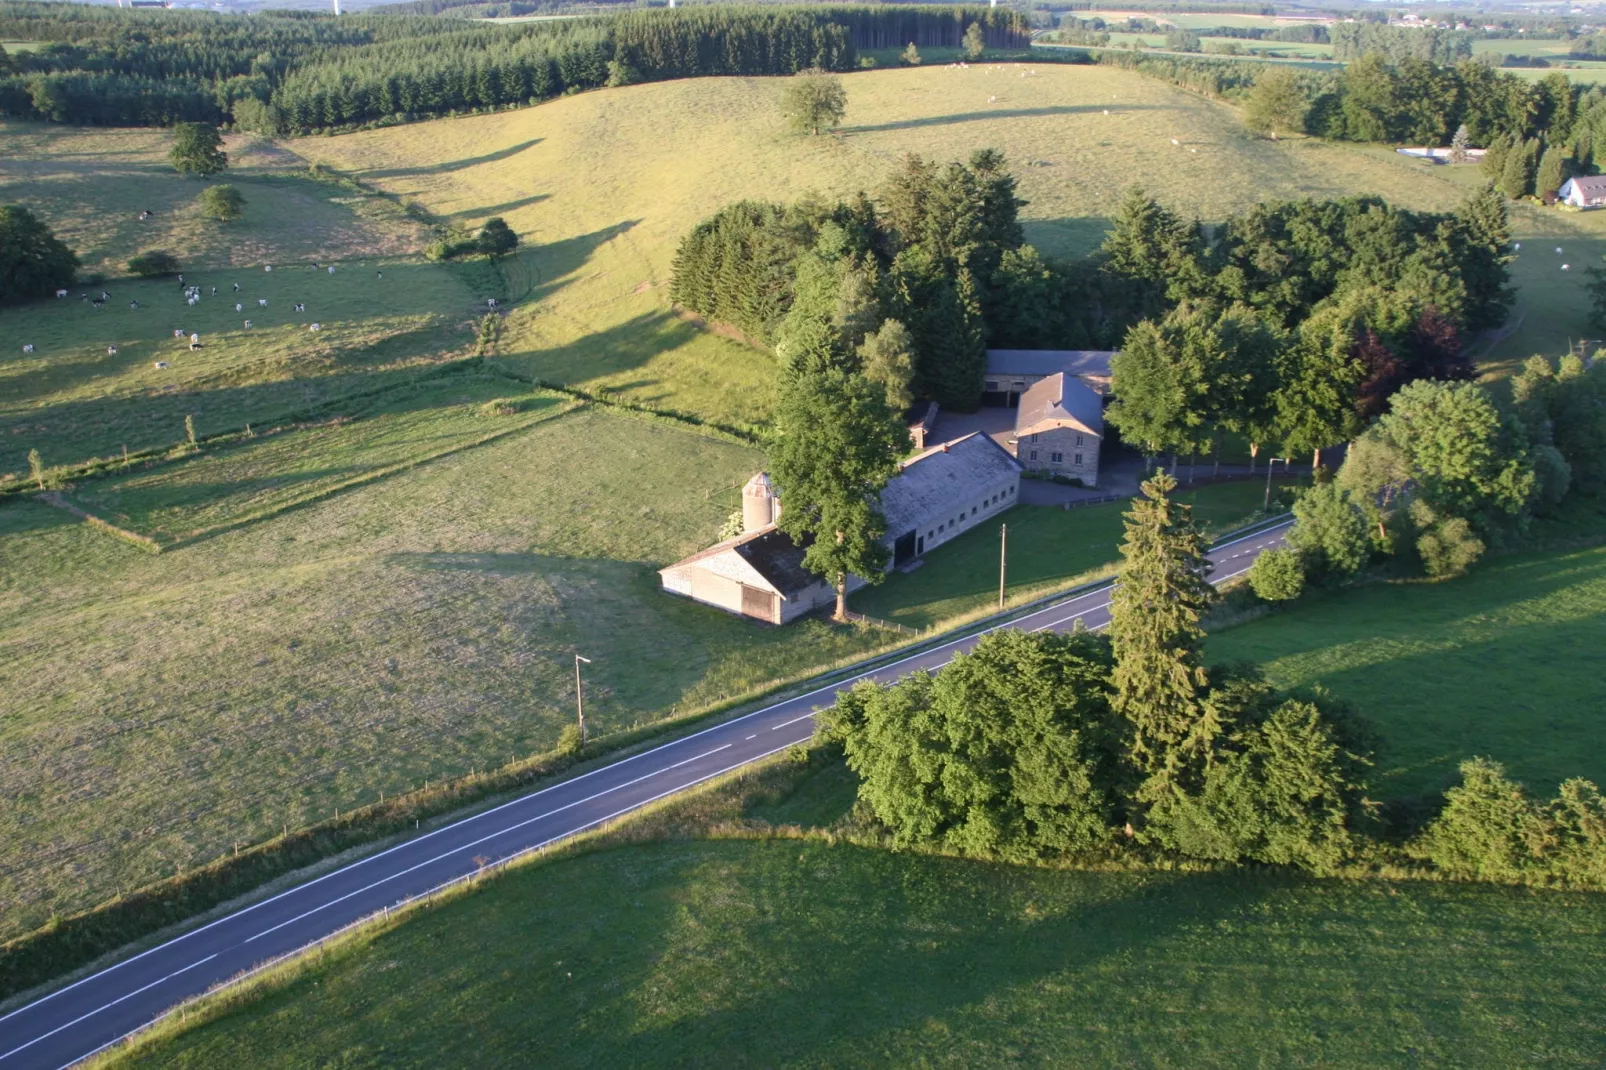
(994, 500)
(1078, 439)
(1057, 458)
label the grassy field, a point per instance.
(603, 185)
(787, 953)
(1048, 546)
(73, 399)
(1509, 663)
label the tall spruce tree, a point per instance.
(1485, 228)
(1155, 611)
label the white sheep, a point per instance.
(238, 307)
(267, 267)
(262, 302)
(178, 332)
(1564, 267)
(1174, 141)
(315, 327)
(61, 293)
(331, 269)
(161, 364)
(27, 349)
(248, 325)
(1558, 250)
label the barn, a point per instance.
(1012, 372)
(937, 494)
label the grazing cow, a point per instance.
(191, 301)
(27, 349)
(238, 307)
(301, 306)
(236, 287)
(104, 296)
(133, 304)
(381, 274)
(178, 333)
(195, 341)
(214, 291)
(98, 303)
(161, 364)
(267, 267)
(181, 280)
(61, 293)
(262, 302)
(248, 325)
(316, 327)
(111, 351)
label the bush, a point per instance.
(569, 740)
(259, 118)
(223, 203)
(1491, 830)
(1278, 575)
(154, 264)
(496, 238)
(1330, 530)
(1447, 545)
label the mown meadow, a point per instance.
(384, 582)
(808, 952)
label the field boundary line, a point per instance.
(60, 501)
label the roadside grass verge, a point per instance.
(1508, 663)
(784, 950)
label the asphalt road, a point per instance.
(84, 1017)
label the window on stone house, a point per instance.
(1057, 458)
(1078, 440)
(1078, 458)
(973, 509)
(1034, 455)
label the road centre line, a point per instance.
(482, 839)
(105, 1006)
(526, 798)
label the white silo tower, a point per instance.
(759, 505)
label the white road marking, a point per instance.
(1261, 534)
(104, 1006)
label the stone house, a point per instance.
(1059, 428)
(938, 494)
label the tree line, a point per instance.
(1352, 40)
(297, 74)
(1125, 745)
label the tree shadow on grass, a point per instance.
(453, 165)
(557, 261)
(623, 347)
(850, 951)
(1000, 113)
(489, 210)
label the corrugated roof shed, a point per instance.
(942, 477)
(1060, 400)
(1048, 361)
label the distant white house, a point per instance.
(1585, 191)
(938, 494)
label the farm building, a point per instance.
(1011, 372)
(1584, 191)
(936, 495)
(1059, 428)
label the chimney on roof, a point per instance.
(945, 447)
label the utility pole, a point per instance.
(579, 701)
(1003, 560)
(1271, 464)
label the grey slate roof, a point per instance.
(774, 555)
(1060, 399)
(1048, 361)
(1590, 185)
(933, 482)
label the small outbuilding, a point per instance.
(1059, 428)
(1011, 372)
(1583, 191)
(938, 494)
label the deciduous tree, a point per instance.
(814, 100)
(1277, 104)
(198, 150)
(33, 261)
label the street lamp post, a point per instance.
(1003, 560)
(1271, 466)
(579, 701)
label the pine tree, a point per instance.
(1516, 180)
(911, 56)
(1458, 144)
(1552, 172)
(1485, 229)
(1158, 602)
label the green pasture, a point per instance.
(1049, 547)
(602, 186)
(788, 953)
(1507, 663)
(157, 709)
(74, 398)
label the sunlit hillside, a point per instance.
(602, 185)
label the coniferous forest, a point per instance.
(295, 72)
